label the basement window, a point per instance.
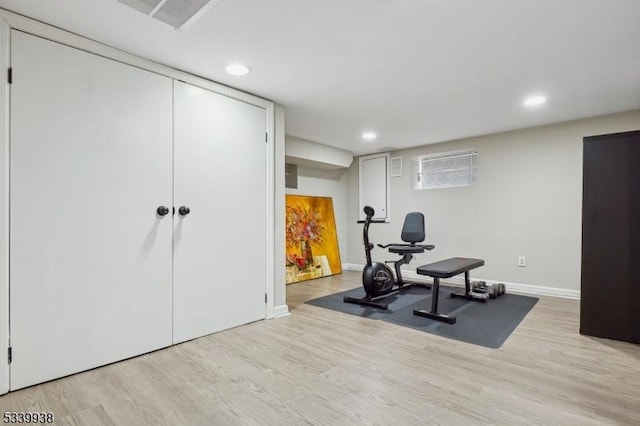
(445, 170)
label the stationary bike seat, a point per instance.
(405, 249)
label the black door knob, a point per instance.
(162, 211)
(184, 210)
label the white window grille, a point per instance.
(445, 170)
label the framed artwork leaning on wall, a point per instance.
(311, 239)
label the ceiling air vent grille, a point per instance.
(177, 13)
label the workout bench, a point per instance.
(447, 269)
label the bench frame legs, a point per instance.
(467, 292)
(434, 315)
(449, 319)
(447, 269)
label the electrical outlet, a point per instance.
(522, 261)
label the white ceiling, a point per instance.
(414, 71)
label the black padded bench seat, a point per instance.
(447, 269)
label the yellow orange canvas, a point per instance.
(311, 238)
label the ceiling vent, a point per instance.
(177, 13)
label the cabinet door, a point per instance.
(220, 246)
(374, 184)
(609, 302)
(91, 160)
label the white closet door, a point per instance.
(219, 247)
(91, 160)
(373, 186)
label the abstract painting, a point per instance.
(311, 238)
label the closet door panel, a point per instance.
(609, 303)
(91, 160)
(219, 247)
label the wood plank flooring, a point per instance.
(318, 366)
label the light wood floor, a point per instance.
(323, 367)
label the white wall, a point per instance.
(314, 154)
(327, 183)
(279, 291)
(528, 201)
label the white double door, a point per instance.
(96, 274)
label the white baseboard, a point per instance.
(459, 282)
(280, 311)
(352, 267)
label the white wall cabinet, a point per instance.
(96, 275)
(374, 184)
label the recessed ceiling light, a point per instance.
(369, 136)
(237, 69)
(535, 100)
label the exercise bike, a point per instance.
(377, 278)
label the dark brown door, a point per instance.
(610, 296)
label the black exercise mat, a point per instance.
(396, 302)
(486, 324)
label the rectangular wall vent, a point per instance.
(396, 166)
(177, 13)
